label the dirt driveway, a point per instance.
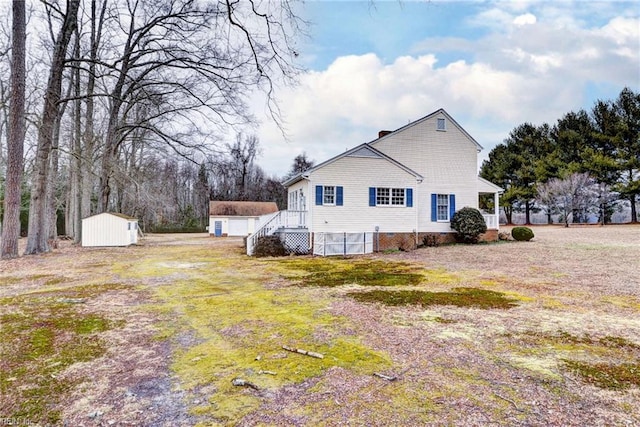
(155, 335)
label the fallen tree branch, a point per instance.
(508, 400)
(240, 382)
(385, 377)
(305, 352)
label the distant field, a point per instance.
(536, 333)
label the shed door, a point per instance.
(218, 228)
(238, 227)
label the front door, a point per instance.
(218, 228)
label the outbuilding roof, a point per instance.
(236, 208)
(119, 215)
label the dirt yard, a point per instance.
(185, 330)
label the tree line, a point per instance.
(125, 105)
(586, 165)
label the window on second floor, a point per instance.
(441, 125)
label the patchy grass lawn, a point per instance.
(545, 332)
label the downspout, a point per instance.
(310, 201)
(416, 205)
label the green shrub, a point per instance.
(469, 224)
(522, 234)
(269, 246)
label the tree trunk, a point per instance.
(527, 212)
(52, 206)
(15, 143)
(88, 136)
(508, 213)
(634, 212)
(74, 214)
(38, 221)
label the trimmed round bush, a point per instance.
(269, 246)
(522, 234)
(469, 224)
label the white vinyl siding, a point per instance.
(448, 161)
(107, 229)
(357, 175)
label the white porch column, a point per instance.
(496, 209)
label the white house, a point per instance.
(109, 229)
(396, 191)
(232, 218)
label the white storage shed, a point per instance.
(109, 229)
(237, 218)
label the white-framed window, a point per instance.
(441, 124)
(329, 195)
(390, 196)
(293, 200)
(397, 196)
(443, 207)
(382, 196)
(385, 196)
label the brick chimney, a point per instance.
(384, 133)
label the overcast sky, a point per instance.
(492, 65)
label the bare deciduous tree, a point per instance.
(38, 218)
(15, 143)
(573, 197)
(190, 62)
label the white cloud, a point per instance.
(530, 73)
(526, 19)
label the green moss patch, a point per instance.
(332, 272)
(41, 337)
(231, 326)
(607, 375)
(565, 341)
(621, 374)
(459, 297)
(10, 280)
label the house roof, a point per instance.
(438, 112)
(119, 215)
(235, 208)
(362, 150)
(485, 186)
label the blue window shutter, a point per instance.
(372, 196)
(318, 194)
(434, 207)
(409, 197)
(452, 205)
(339, 196)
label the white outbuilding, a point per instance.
(109, 229)
(238, 218)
